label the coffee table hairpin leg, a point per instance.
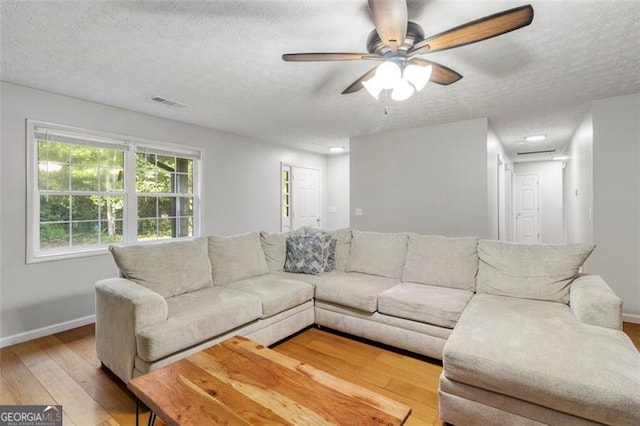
(152, 415)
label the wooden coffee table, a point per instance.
(242, 382)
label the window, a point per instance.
(89, 190)
(164, 191)
(285, 201)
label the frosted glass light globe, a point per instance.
(373, 86)
(403, 90)
(388, 73)
(417, 75)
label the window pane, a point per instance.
(147, 207)
(166, 207)
(83, 154)
(184, 206)
(85, 233)
(184, 183)
(111, 179)
(111, 231)
(84, 207)
(56, 152)
(166, 163)
(111, 208)
(184, 227)
(165, 228)
(54, 208)
(112, 158)
(145, 173)
(54, 236)
(53, 176)
(184, 165)
(164, 181)
(84, 178)
(147, 229)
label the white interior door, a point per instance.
(527, 208)
(305, 197)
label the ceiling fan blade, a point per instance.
(317, 57)
(440, 74)
(478, 30)
(390, 18)
(357, 85)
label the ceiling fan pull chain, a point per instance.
(386, 102)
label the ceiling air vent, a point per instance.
(167, 102)
(549, 151)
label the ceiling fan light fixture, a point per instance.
(388, 74)
(418, 76)
(402, 91)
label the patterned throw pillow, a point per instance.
(330, 263)
(307, 254)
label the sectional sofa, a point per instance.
(523, 337)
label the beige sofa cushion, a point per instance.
(343, 245)
(434, 305)
(378, 253)
(196, 317)
(531, 271)
(275, 250)
(442, 261)
(169, 269)
(305, 278)
(358, 291)
(236, 257)
(276, 293)
(537, 351)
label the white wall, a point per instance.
(426, 180)
(338, 184)
(616, 196)
(550, 196)
(579, 184)
(241, 193)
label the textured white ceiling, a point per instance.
(223, 59)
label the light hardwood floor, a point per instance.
(63, 369)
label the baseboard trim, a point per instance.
(631, 318)
(46, 331)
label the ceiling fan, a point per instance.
(397, 43)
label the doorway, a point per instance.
(527, 218)
(300, 197)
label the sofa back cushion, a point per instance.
(378, 253)
(275, 250)
(530, 271)
(169, 269)
(236, 257)
(343, 245)
(442, 261)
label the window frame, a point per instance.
(130, 146)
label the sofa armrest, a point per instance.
(122, 308)
(593, 302)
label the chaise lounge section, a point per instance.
(523, 337)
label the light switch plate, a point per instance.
(358, 212)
